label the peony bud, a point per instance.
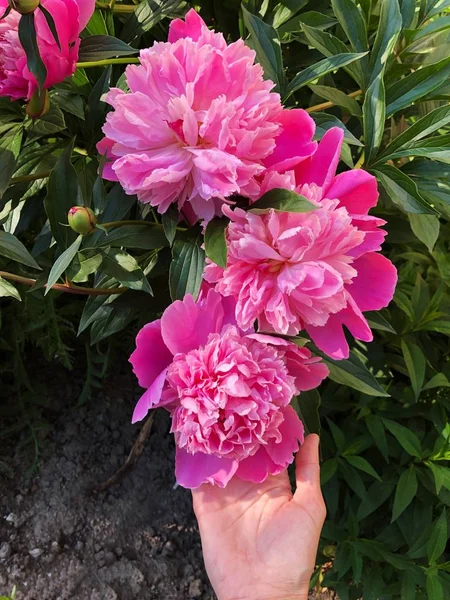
(24, 6)
(38, 105)
(82, 219)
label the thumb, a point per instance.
(307, 475)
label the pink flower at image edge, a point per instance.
(70, 17)
(316, 271)
(228, 393)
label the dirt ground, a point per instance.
(139, 539)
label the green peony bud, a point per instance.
(82, 219)
(24, 6)
(38, 105)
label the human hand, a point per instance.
(259, 540)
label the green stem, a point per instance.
(69, 288)
(108, 61)
(116, 8)
(27, 178)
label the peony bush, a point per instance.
(251, 201)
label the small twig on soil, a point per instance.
(135, 453)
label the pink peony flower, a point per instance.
(228, 392)
(315, 271)
(197, 124)
(70, 16)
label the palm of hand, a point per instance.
(260, 541)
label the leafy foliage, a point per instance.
(379, 70)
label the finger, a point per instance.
(307, 469)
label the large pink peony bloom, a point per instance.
(70, 17)
(316, 271)
(228, 392)
(197, 124)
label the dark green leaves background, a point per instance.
(379, 70)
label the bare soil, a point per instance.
(138, 539)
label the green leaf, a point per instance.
(169, 222)
(215, 241)
(353, 479)
(324, 122)
(337, 97)
(148, 14)
(28, 41)
(378, 433)
(100, 47)
(8, 290)
(308, 410)
(438, 540)
(88, 262)
(96, 24)
(405, 437)
(425, 228)
(434, 587)
(283, 200)
(402, 190)
(186, 269)
(374, 115)
(266, 43)
(415, 363)
(436, 119)
(361, 463)
(353, 373)
(51, 123)
(377, 321)
(389, 28)
(439, 380)
(96, 108)
(352, 22)
(62, 262)
(51, 25)
(62, 194)
(329, 45)
(8, 162)
(405, 492)
(321, 68)
(12, 248)
(133, 236)
(124, 267)
(338, 435)
(408, 585)
(418, 84)
(328, 470)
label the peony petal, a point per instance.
(292, 433)
(186, 325)
(150, 398)
(86, 8)
(191, 27)
(356, 190)
(321, 167)
(151, 355)
(374, 286)
(193, 470)
(331, 339)
(294, 144)
(258, 467)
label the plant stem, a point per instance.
(117, 8)
(326, 105)
(63, 287)
(108, 61)
(360, 162)
(26, 178)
